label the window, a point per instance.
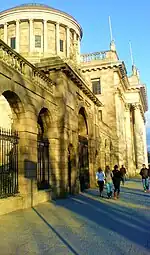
(13, 43)
(96, 86)
(37, 41)
(100, 114)
(61, 45)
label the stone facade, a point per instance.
(55, 99)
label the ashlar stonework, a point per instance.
(73, 113)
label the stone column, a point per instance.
(26, 124)
(5, 33)
(145, 143)
(45, 35)
(68, 41)
(128, 141)
(17, 35)
(138, 133)
(75, 45)
(57, 39)
(78, 49)
(31, 38)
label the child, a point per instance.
(109, 182)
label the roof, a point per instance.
(39, 6)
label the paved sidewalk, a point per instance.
(81, 225)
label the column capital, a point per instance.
(17, 20)
(127, 107)
(135, 106)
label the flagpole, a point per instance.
(110, 27)
(131, 54)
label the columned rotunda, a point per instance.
(37, 31)
(63, 113)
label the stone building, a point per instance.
(63, 114)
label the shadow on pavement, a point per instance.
(111, 216)
(128, 217)
(54, 230)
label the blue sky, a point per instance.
(130, 22)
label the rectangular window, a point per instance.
(96, 86)
(37, 41)
(13, 43)
(100, 115)
(61, 45)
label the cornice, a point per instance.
(59, 64)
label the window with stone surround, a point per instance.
(13, 42)
(100, 115)
(96, 86)
(37, 41)
(61, 45)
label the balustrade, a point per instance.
(92, 56)
(20, 64)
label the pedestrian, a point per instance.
(100, 177)
(149, 177)
(123, 173)
(116, 181)
(144, 173)
(109, 182)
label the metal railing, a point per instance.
(8, 163)
(43, 164)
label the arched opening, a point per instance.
(43, 150)
(84, 176)
(10, 110)
(71, 170)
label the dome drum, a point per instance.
(36, 32)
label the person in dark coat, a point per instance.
(144, 173)
(123, 173)
(149, 177)
(117, 177)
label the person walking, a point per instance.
(123, 173)
(144, 174)
(149, 178)
(100, 177)
(109, 182)
(117, 177)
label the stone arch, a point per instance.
(44, 122)
(82, 123)
(13, 107)
(43, 166)
(84, 176)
